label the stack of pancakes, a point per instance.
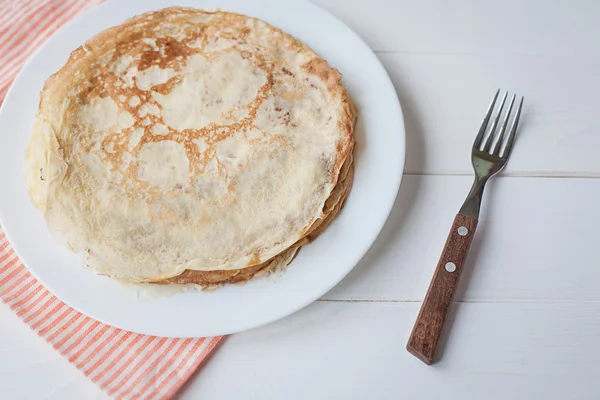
(185, 146)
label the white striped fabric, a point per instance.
(125, 365)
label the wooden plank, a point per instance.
(536, 240)
(445, 96)
(550, 28)
(356, 351)
(446, 59)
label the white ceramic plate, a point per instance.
(379, 162)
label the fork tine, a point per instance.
(486, 120)
(491, 134)
(497, 144)
(513, 130)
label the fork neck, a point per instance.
(472, 204)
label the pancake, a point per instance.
(185, 146)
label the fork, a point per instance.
(489, 155)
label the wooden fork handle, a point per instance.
(428, 326)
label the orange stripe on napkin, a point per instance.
(124, 364)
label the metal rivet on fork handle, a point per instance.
(450, 266)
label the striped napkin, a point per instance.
(125, 365)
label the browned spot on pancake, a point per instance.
(164, 88)
(255, 259)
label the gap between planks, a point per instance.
(566, 175)
(591, 57)
(476, 301)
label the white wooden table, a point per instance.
(526, 318)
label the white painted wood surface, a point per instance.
(526, 320)
(446, 57)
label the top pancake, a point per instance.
(187, 140)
